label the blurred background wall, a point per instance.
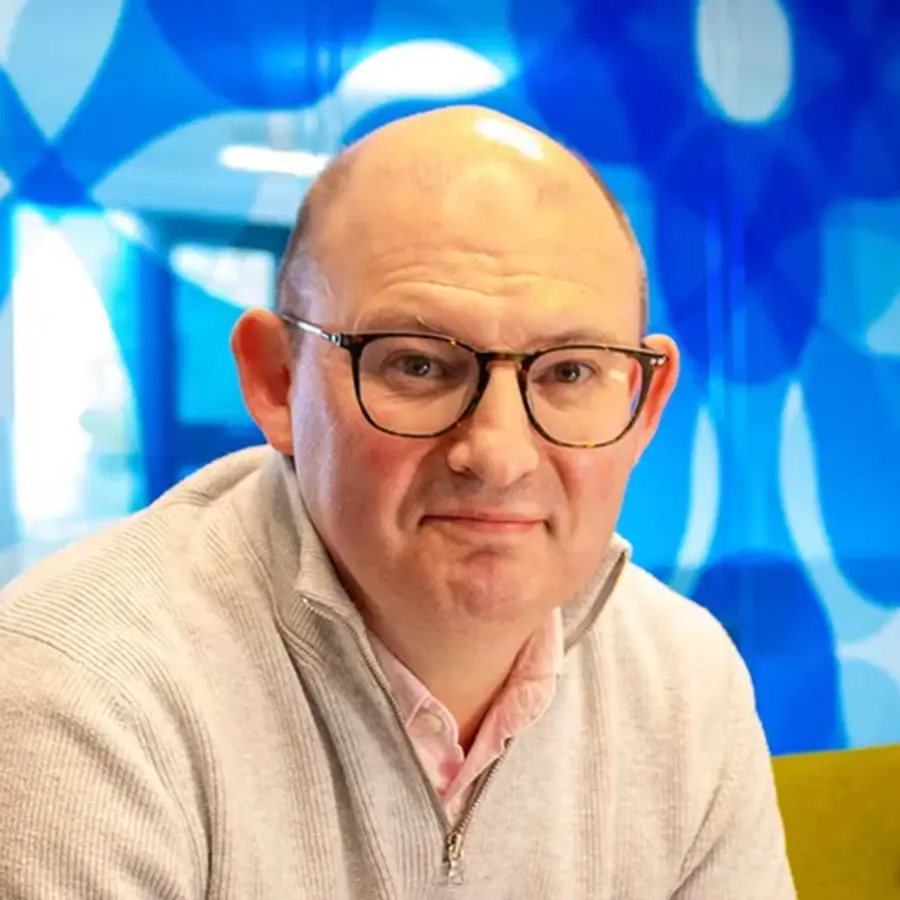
(152, 157)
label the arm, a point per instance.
(85, 813)
(739, 853)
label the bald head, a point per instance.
(456, 167)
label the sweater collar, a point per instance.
(303, 577)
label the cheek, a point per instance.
(594, 482)
(375, 474)
(379, 456)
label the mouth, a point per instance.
(477, 521)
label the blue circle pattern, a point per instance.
(255, 53)
(792, 661)
(848, 89)
(855, 415)
(737, 222)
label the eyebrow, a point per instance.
(402, 320)
(393, 320)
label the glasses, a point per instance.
(423, 385)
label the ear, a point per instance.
(665, 378)
(262, 350)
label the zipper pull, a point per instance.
(455, 858)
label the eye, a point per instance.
(570, 371)
(417, 366)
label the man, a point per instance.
(400, 653)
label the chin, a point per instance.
(494, 589)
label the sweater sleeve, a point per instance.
(740, 851)
(84, 810)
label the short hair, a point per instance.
(297, 261)
(297, 271)
(296, 256)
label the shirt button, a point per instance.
(429, 722)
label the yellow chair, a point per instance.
(842, 819)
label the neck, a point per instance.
(465, 672)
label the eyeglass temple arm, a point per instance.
(309, 328)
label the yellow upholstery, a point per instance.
(842, 818)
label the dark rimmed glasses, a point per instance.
(423, 385)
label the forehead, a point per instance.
(493, 256)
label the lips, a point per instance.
(488, 521)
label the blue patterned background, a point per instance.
(755, 144)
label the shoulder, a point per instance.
(667, 625)
(125, 590)
(673, 662)
(679, 702)
(687, 711)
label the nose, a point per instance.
(496, 443)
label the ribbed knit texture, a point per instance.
(189, 709)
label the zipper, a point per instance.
(453, 848)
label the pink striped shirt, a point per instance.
(434, 732)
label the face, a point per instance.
(489, 522)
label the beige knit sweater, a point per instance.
(189, 708)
